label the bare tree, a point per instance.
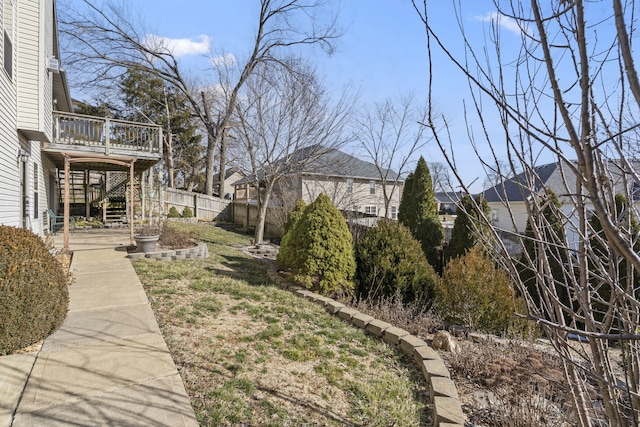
(391, 135)
(105, 41)
(440, 176)
(570, 93)
(287, 123)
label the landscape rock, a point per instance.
(442, 340)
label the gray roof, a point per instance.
(333, 162)
(449, 196)
(317, 160)
(519, 188)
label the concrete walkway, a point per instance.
(108, 364)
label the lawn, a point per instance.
(250, 353)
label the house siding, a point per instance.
(358, 199)
(26, 110)
(34, 82)
(9, 143)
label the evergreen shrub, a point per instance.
(391, 263)
(324, 259)
(475, 294)
(286, 254)
(173, 212)
(33, 290)
(187, 212)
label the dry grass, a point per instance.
(252, 354)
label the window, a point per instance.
(495, 216)
(371, 210)
(349, 185)
(8, 26)
(372, 187)
(394, 212)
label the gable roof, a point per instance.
(519, 188)
(333, 162)
(317, 160)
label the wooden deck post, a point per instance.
(131, 195)
(66, 203)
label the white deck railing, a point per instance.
(81, 130)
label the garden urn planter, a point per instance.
(146, 243)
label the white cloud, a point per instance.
(226, 60)
(503, 21)
(179, 47)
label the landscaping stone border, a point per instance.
(200, 251)
(446, 407)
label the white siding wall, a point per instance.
(28, 66)
(26, 104)
(358, 199)
(504, 220)
(9, 144)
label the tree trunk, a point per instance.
(263, 204)
(170, 166)
(223, 164)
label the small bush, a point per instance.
(324, 257)
(287, 246)
(173, 213)
(174, 238)
(475, 294)
(390, 262)
(187, 212)
(33, 290)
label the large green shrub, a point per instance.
(475, 294)
(418, 212)
(33, 290)
(324, 257)
(187, 212)
(286, 254)
(547, 244)
(390, 262)
(173, 212)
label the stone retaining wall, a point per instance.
(201, 250)
(446, 408)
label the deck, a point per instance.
(93, 139)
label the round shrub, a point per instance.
(475, 294)
(187, 212)
(324, 258)
(33, 290)
(390, 263)
(173, 212)
(287, 246)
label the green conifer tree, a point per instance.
(287, 244)
(467, 230)
(324, 248)
(418, 212)
(551, 233)
(390, 262)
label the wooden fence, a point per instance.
(205, 208)
(246, 214)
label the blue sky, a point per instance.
(382, 52)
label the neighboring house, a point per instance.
(447, 206)
(231, 177)
(40, 137)
(354, 185)
(508, 200)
